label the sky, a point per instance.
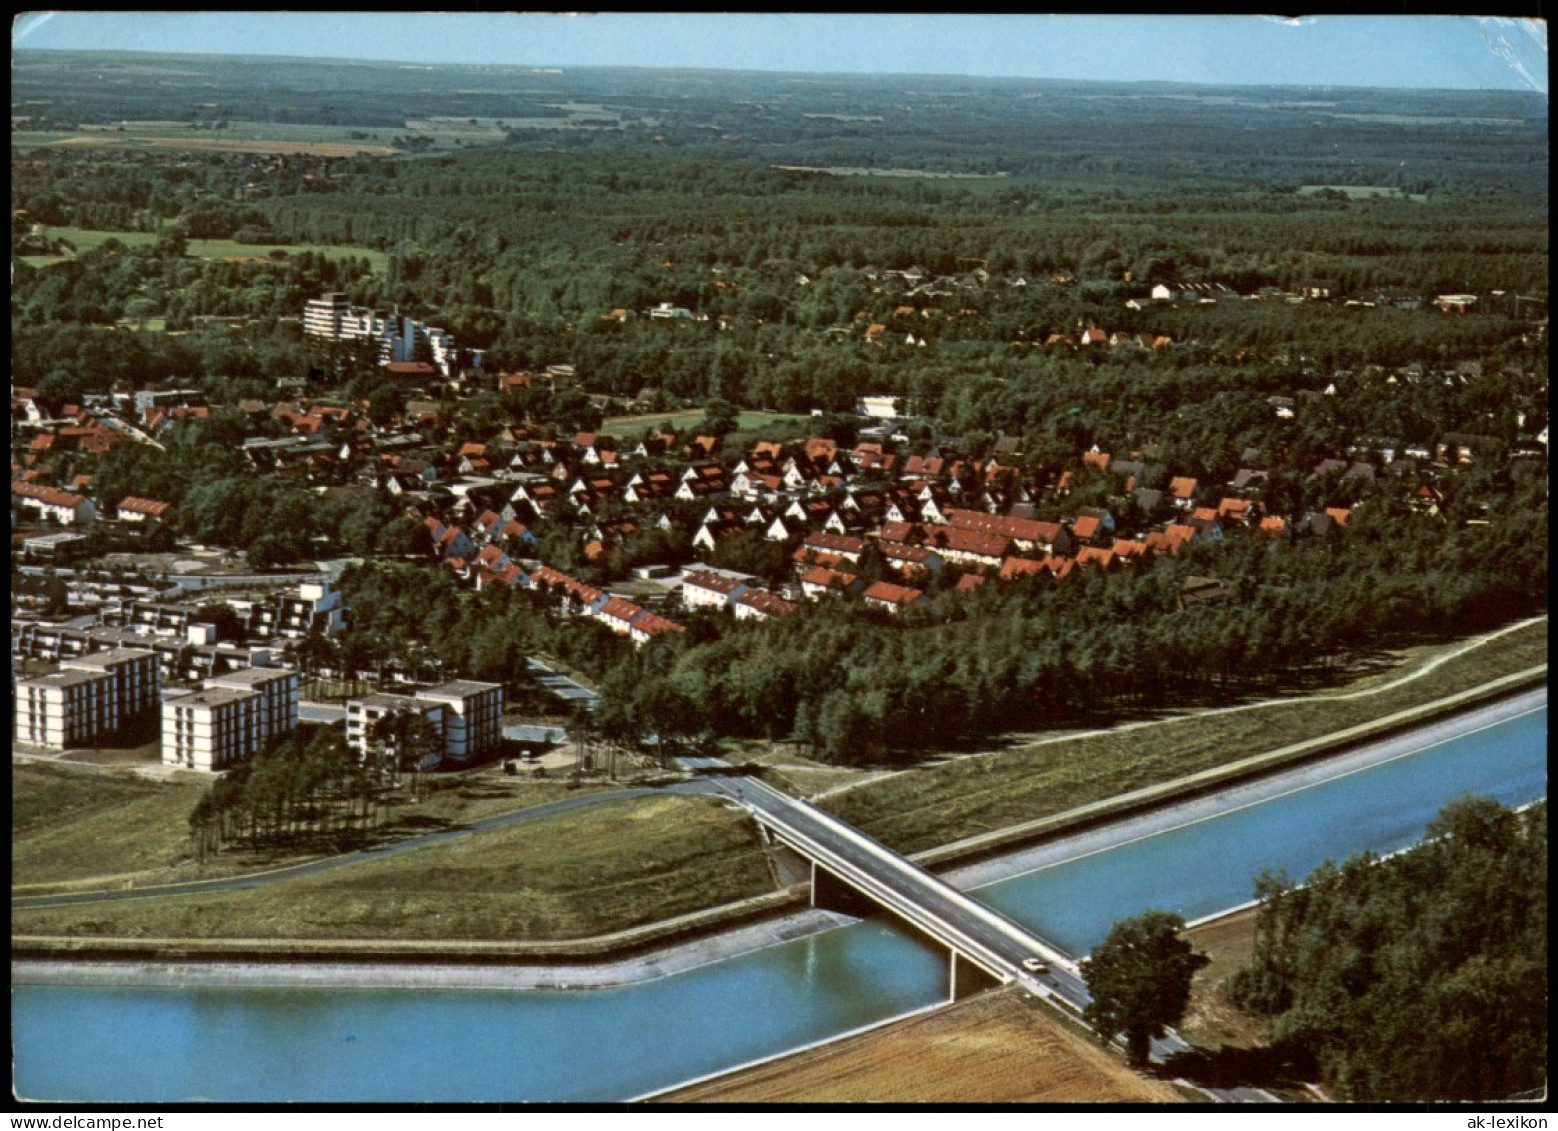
(1445, 52)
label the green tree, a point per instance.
(1140, 980)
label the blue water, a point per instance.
(162, 1045)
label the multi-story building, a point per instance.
(331, 317)
(314, 606)
(210, 730)
(277, 710)
(362, 714)
(137, 674)
(66, 708)
(234, 716)
(473, 716)
(470, 715)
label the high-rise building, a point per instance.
(331, 317)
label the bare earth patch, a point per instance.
(1214, 1021)
(995, 1048)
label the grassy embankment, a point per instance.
(994, 1048)
(78, 828)
(567, 875)
(940, 804)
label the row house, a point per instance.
(844, 547)
(648, 625)
(893, 598)
(704, 589)
(649, 487)
(760, 604)
(449, 541)
(1182, 491)
(538, 498)
(575, 595)
(771, 521)
(718, 524)
(811, 514)
(820, 581)
(133, 509)
(967, 547)
(756, 485)
(911, 561)
(50, 503)
(1027, 534)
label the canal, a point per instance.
(123, 1044)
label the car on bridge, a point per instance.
(1035, 965)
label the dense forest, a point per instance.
(1420, 977)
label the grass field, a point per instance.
(569, 875)
(747, 421)
(860, 171)
(85, 239)
(924, 808)
(1213, 1021)
(96, 829)
(994, 1048)
(69, 823)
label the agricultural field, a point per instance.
(235, 137)
(85, 239)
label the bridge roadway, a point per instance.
(968, 928)
(972, 931)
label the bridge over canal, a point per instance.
(850, 869)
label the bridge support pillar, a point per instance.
(833, 894)
(966, 978)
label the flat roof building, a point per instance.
(67, 708)
(210, 730)
(363, 713)
(137, 675)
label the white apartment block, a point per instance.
(277, 710)
(66, 708)
(473, 716)
(137, 674)
(210, 730)
(469, 714)
(333, 318)
(236, 714)
(363, 713)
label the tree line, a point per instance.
(1420, 977)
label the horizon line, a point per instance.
(563, 67)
